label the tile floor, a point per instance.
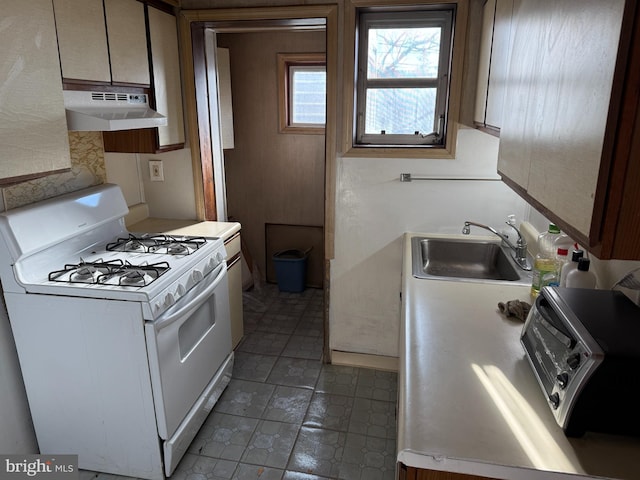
(286, 415)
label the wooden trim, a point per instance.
(455, 88)
(90, 86)
(494, 131)
(616, 150)
(190, 114)
(284, 115)
(233, 260)
(232, 238)
(203, 126)
(6, 182)
(166, 6)
(413, 473)
(170, 148)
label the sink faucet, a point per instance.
(519, 249)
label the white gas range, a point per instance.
(124, 340)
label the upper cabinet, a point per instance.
(33, 127)
(167, 86)
(495, 46)
(571, 128)
(166, 92)
(102, 42)
(126, 31)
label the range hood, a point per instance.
(109, 111)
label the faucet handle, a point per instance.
(521, 241)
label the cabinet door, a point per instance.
(500, 50)
(82, 39)
(127, 41)
(560, 79)
(33, 127)
(484, 63)
(163, 35)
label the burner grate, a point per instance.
(161, 244)
(112, 272)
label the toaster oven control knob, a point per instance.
(573, 361)
(563, 380)
(554, 400)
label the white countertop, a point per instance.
(469, 401)
(186, 227)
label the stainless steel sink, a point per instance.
(465, 260)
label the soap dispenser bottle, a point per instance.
(581, 277)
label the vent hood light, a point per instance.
(100, 111)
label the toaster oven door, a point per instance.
(561, 356)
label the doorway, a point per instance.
(257, 158)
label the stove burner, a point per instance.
(85, 272)
(113, 272)
(177, 249)
(135, 277)
(161, 244)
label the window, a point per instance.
(302, 92)
(403, 77)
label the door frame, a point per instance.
(192, 24)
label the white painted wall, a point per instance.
(122, 169)
(172, 198)
(373, 211)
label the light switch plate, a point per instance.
(155, 171)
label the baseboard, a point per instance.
(377, 362)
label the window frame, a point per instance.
(285, 61)
(350, 148)
(429, 18)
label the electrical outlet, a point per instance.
(155, 171)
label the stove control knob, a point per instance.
(219, 258)
(197, 275)
(573, 361)
(180, 291)
(211, 264)
(563, 380)
(169, 300)
(554, 400)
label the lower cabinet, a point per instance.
(412, 473)
(234, 266)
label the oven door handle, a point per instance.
(193, 299)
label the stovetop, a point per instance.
(77, 245)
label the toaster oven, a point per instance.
(584, 348)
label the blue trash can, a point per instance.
(291, 269)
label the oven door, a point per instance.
(187, 346)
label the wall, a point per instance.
(172, 198)
(87, 168)
(271, 177)
(374, 209)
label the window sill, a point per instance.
(400, 152)
(303, 130)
